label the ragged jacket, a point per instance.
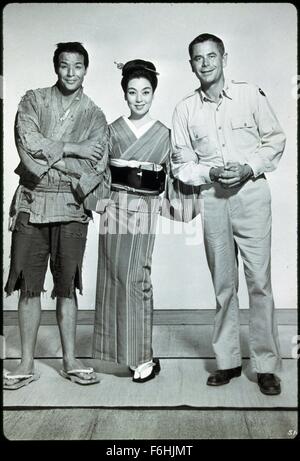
(42, 127)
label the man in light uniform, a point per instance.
(225, 137)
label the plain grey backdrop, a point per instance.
(260, 40)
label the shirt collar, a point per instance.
(225, 92)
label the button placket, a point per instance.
(220, 134)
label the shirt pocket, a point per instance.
(244, 132)
(199, 139)
(242, 122)
(22, 224)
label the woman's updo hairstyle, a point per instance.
(137, 69)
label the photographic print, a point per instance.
(149, 224)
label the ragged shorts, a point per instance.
(32, 244)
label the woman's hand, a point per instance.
(184, 155)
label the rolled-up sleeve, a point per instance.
(272, 137)
(92, 173)
(32, 146)
(190, 172)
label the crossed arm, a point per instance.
(90, 149)
(39, 153)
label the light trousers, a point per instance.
(241, 217)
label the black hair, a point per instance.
(138, 68)
(70, 47)
(204, 38)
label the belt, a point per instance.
(139, 179)
(259, 177)
(37, 187)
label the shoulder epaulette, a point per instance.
(239, 81)
(261, 91)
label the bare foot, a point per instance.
(76, 364)
(24, 368)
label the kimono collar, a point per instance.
(78, 92)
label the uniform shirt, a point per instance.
(42, 127)
(241, 127)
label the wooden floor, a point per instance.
(181, 382)
(175, 344)
(113, 425)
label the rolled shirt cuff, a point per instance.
(192, 174)
(257, 169)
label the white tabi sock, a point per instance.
(143, 370)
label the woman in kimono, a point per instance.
(139, 150)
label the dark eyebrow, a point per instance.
(146, 88)
(208, 54)
(66, 62)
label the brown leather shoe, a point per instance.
(269, 383)
(220, 377)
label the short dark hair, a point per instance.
(70, 47)
(138, 68)
(204, 38)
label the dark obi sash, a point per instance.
(138, 178)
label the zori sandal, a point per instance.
(74, 376)
(20, 380)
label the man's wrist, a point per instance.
(249, 170)
(69, 149)
(212, 174)
(66, 149)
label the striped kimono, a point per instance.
(124, 298)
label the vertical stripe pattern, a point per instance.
(124, 297)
